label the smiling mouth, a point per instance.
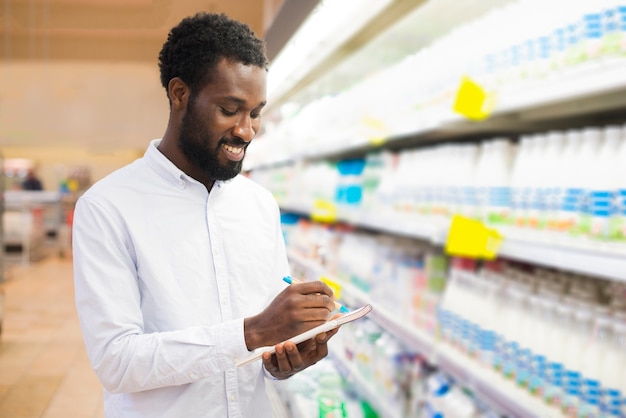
(232, 149)
(234, 153)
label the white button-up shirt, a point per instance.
(165, 272)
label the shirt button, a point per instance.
(232, 397)
(192, 375)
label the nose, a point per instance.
(245, 128)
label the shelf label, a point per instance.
(376, 131)
(470, 238)
(324, 211)
(473, 101)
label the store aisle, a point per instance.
(44, 370)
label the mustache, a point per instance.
(234, 141)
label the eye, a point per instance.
(255, 115)
(228, 112)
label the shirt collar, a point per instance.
(166, 169)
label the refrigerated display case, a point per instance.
(393, 105)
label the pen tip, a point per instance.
(287, 279)
(343, 309)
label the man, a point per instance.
(31, 182)
(179, 260)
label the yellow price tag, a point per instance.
(376, 130)
(377, 142)
(333, 285)
(472, 101)
(470, 238)
(324, 211)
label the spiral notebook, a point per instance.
(332, 324)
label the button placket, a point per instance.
(219, 263)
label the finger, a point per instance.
(320, 346)
(308, 288)
(329, 334)
(269, 365)
(322, 339)
(317, 300)
(306, 347)
(317, 313)
(295, 359)
(281, 359)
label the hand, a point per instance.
(290, 358)
(298, 308)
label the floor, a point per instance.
(44, 370)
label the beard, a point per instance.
(197, 147)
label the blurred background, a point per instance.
(80, 88)
(458, 165)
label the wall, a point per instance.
(54, 162)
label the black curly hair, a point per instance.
(198, 42)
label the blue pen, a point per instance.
(338, 305)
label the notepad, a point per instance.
(332, 324)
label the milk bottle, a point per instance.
(604, 178)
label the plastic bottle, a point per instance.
(561, 331)
(621, 12)
(481, 179)
(400, 186)
(604, 179)
(553, 188)
(588, 154)
(553, 383)
(537, 212)
(568, 205)
(577, 341)
(612, 31)
(386, 192)
(571, 399)
(349, 190)
(498, 182)
(578, 37)
(611, 372)
(617, 229)
(559, 42)
(371, 177)
(619, 347)
(597, 346)
(540, 306)
(519, 182)
(592, 33)
(540, 32)
(468, 181)
(367, 349)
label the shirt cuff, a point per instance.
(267, 374)
(234, 340)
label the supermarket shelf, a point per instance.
(587, 89)
(586, 258)
(501, 394)
(364, 387)
(538, 104)
(488, 385)
(576, 255)
(352, 296)
(365, 24)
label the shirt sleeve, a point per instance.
(108, 303)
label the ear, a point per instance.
(178, 93)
